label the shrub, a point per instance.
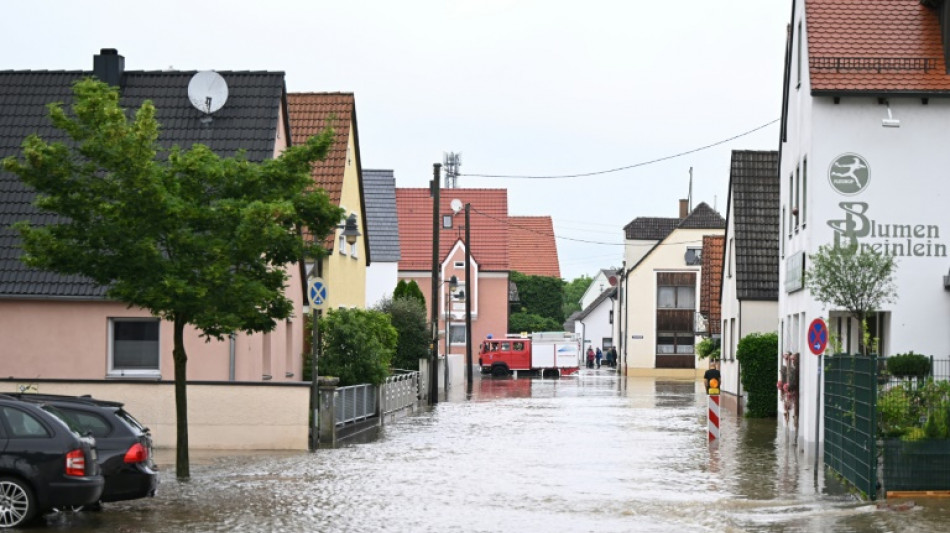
(909, 364)
(708, 347)
(757, 353)
(357, 346)
(408, 316)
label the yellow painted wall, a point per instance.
(344, 274)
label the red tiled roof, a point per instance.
(533, 249)
(489, 218)
(862, 35)
(711, 273)
(310, 114)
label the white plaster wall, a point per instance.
(596, 288)
(381, 279)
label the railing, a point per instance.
(400, 391)
(354, 403)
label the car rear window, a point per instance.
(23, 425)
(64, 418)
(131, 420)
(88, 422)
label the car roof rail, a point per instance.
(84, 399)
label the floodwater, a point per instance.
(592, 452)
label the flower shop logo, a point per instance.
(900, 240)
(849, 174)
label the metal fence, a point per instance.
(400, 391)
(354, 404)
(851, 420)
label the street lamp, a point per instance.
(350, 230)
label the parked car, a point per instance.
(44, 462)
(123, 444)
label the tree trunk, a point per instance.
(182, 465)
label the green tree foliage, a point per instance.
(857, 280)
(758, 355)
(192, 237)
(358, 346)
(908, 365)
(573, 291)
(526, 322)
(540, 295)
(708, 347)
(409, 289)
(408, 316)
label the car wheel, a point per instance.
(17, 505)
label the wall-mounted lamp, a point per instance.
(890, 121)
(350, 230)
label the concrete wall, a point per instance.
(238, 416)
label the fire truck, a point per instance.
(546, 353)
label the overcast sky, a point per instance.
(519, 87)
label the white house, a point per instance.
(594, 323)
(601, 282)
(864, 128)
(659, 303)
(749, 290)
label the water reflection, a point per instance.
(591, 452)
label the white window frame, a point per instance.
(133, 373)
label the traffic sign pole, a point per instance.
(817, 342)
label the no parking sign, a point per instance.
(817, 336)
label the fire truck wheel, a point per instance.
(499, 371)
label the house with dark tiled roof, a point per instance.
(658, 303)
(749, 262)
(380, 199)
(62, 326)
(340, 175)
(490, 259)
(866, 103)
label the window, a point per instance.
(446, 221)
(342, 246)
(781, 243)
(23, 425)
(797, 204)
(791, 204)
(353, 249)
(460, 264)
(289, 350)
(607, 342)
(729, 258)
(133, 347)
(694, 255)
(518, 346)
(804, 203)
(676, 297)
(674, 343)
(457, 335)
(87, 421)
(798, 59)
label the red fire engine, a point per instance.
(554, 353)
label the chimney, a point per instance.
(108, 66)
(684, 207)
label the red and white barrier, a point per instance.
(713, 417)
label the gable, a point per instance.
(249, 120)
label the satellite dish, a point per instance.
(207, 91)
(456, 205)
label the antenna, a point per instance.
(207, 92)
(456, 206)
(452, 162)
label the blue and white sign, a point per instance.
(317, 293)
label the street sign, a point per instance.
(817, 336)
(317, 293)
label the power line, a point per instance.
(628, 167)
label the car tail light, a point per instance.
(136, 454)
(76, 463)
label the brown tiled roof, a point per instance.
(849, 41)
(532, 247)
(310, 114)
(489, 218)
(709, 304)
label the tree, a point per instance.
(573, 292)
(523, 321)
(849, 277)
(408, 316)
(358, 346)
(540, 295)
(194, 238)
(409, 289)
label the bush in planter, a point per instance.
(757, 354)
(909, 364)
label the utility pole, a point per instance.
(469, 294)
(434, 293)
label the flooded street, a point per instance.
(592, 452)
